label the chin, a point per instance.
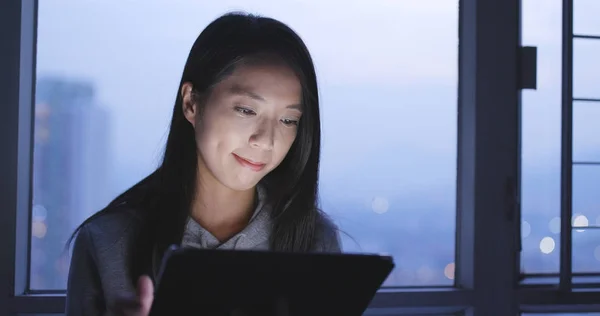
(241, 185)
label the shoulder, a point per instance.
(102, 249)
(105, 230)
(327, 235)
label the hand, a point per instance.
(139, 305)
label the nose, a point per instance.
(263, 136)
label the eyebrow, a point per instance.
(239, 90)
(243, 91)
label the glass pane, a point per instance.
(586, 248)
(587, 279)
(586, 200)
(586, 209)
(585, 17)
(586, 80)
(540, 186)
(586, 130)
(107, 87)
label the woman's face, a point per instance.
(247, 124)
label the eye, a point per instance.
(244, 111)
(288, 122)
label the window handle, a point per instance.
(527, 67)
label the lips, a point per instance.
(254, 166)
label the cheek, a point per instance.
(207, 137)
(219, 136)
(203, 144)
(202, 133)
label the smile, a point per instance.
(254, 166)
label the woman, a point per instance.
(240, 169)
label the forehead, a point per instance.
(269, 82)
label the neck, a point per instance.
(220, 210)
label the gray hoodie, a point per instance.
(99, 273)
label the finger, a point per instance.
(126, 306)
(145, 294)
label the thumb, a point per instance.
(145, 291)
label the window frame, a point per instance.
(487, 278)
(564, 295)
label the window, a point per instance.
(475, 201)
(99, 127)
(541, 147)
(560, 248)
(542, 142)
(543, 117)
(586, 158)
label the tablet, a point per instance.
(227, 282)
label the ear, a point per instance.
(190, 108)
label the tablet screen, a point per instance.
(225, 282)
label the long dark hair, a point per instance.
(166, 195)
